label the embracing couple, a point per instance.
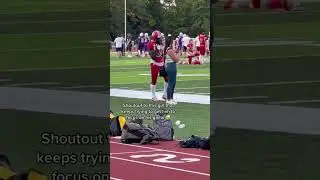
(163, 62)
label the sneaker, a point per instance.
(154, 98)
(174, 102)
(164, 97)
(171, 102)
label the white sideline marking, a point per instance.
(266, 84)
(295, 101)
(57, 68)
(255, 84)
(138, 89)
(82, 87)
(105, 66)
(165, 167)
(241, 97)
(207, 87)
(117, 137)
(180, 80)
(145, 147)
(244, 116)
(187, 98)
(5, 80)
(188, 92)
(184, 75)
(133, 152)
(112, 178)
(32, 84)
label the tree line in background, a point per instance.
(187, 16)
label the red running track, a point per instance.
(158, 162)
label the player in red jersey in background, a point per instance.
(208, 46)
(202, 49)
(156, 52)
(192, 53)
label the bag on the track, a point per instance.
(196, 142)
(7, 173)
(116, 124)
(138, 133)
(5, 170)
(164, 128)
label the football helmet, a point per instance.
(156, 34)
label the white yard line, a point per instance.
(32, 84)
(265, 84)
(120, 76)
(187, 92)
(225, 114)
(207, 87)
(186, 98)
(180, 80)
(203, 93)
(113, 178)
(138, 89)
(159, 149)
(161, 166)
(105, 66)
(237, 85)
(133, 152)
(295, 101)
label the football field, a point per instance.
(260, 58)
(130, 81)
(267, 60)
(47, 45)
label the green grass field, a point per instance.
(260, 58)
(266, 58)
(35, 36)
(56, 51)
(133, 74)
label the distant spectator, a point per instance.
(119, 45)
(129, 45)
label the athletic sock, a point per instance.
(165, 87)
(153, 90)
(190, 59)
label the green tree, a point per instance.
(187, 16)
